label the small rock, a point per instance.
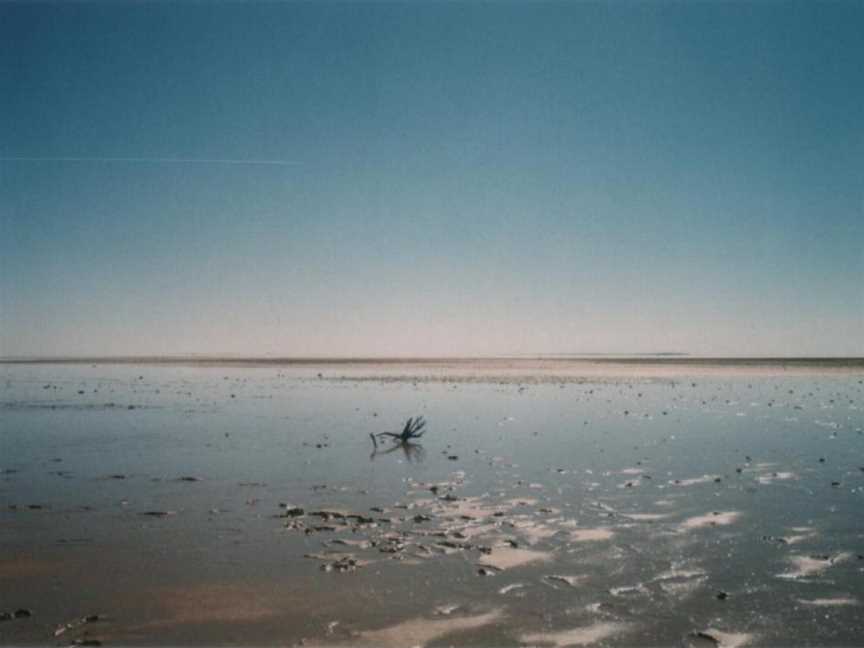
(361, 519)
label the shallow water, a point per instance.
(609, 511)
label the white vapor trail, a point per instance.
(150, 160)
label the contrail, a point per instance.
(150, 160)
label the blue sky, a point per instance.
(452, 178)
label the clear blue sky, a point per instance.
(452, 178)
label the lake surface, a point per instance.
(162, 504)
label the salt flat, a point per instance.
(240, 502)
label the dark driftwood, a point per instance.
(413, 430)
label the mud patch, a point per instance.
(830, 602)
(591, 535)
(507, 558)
(713, 519)
(205, 604)
(804, 566)
(583, 636)
(25, 567)
(419, 632)
(647, 517)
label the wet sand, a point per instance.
(552, 502)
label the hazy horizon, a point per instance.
(427, 179)
(659, 358)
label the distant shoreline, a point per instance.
(503, 369)
(588, 358)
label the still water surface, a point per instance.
(708, 511)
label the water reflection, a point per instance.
(413, 452)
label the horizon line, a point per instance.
(663, 358)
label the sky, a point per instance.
(422, 178)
